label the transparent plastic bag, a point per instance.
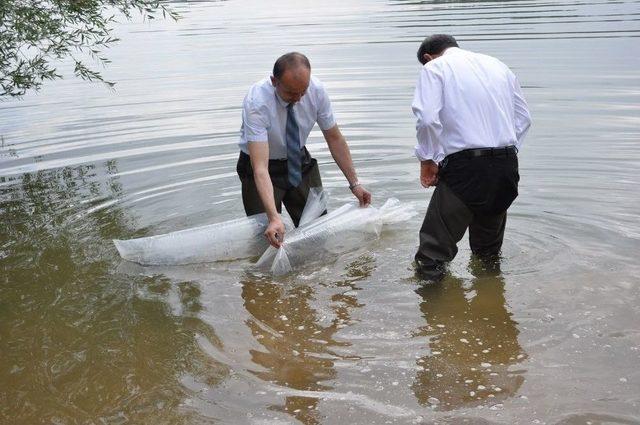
(393, 211)
(344, 229)
(229, 240)
(314, 207)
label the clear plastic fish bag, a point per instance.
(342, 230)
(229, 240)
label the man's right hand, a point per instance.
(428, 173)
(275, 232)
(259, 153)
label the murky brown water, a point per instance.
(551, 338)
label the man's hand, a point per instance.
(259, 153)
(363, 195)
(428, 173)
(275, 232)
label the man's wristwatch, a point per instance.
(354, 185)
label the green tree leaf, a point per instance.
(35, 34)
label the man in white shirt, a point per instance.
(275, 167)
(471, 121)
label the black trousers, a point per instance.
(473, 192)
(293, 198)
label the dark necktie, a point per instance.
(294, 157)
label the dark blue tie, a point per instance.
(294, 157)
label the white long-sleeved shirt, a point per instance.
(466, 100)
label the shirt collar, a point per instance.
(449, 50)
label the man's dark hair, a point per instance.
(290, 60)
(435, 44)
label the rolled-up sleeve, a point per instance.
(255, 121)
(325, 118)
(426, 106)
(521, 115)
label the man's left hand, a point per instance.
(363, 195)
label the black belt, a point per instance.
(474, 153)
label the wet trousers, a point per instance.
(473, 192)
(293, 198)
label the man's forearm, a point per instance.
(342, 156)
(265, 191)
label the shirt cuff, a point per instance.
(257, 136)
(425, 156)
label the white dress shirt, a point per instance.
(264, 116)
(466, 100)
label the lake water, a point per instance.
(553, 338)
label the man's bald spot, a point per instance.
(290, 61)
(297, 76)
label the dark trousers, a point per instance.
(473, 193)
(293, 198)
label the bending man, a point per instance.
(275, 167)
(472, 119)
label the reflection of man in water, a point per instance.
(472, 119)
(284, 323)
(473, 342)
(275, 167)
(297, 348)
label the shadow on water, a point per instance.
(297, 339)
(472, 339)
(78, 342)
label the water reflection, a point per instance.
(297, 337)
(472, 339)
(79, 342)
(472, 20)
